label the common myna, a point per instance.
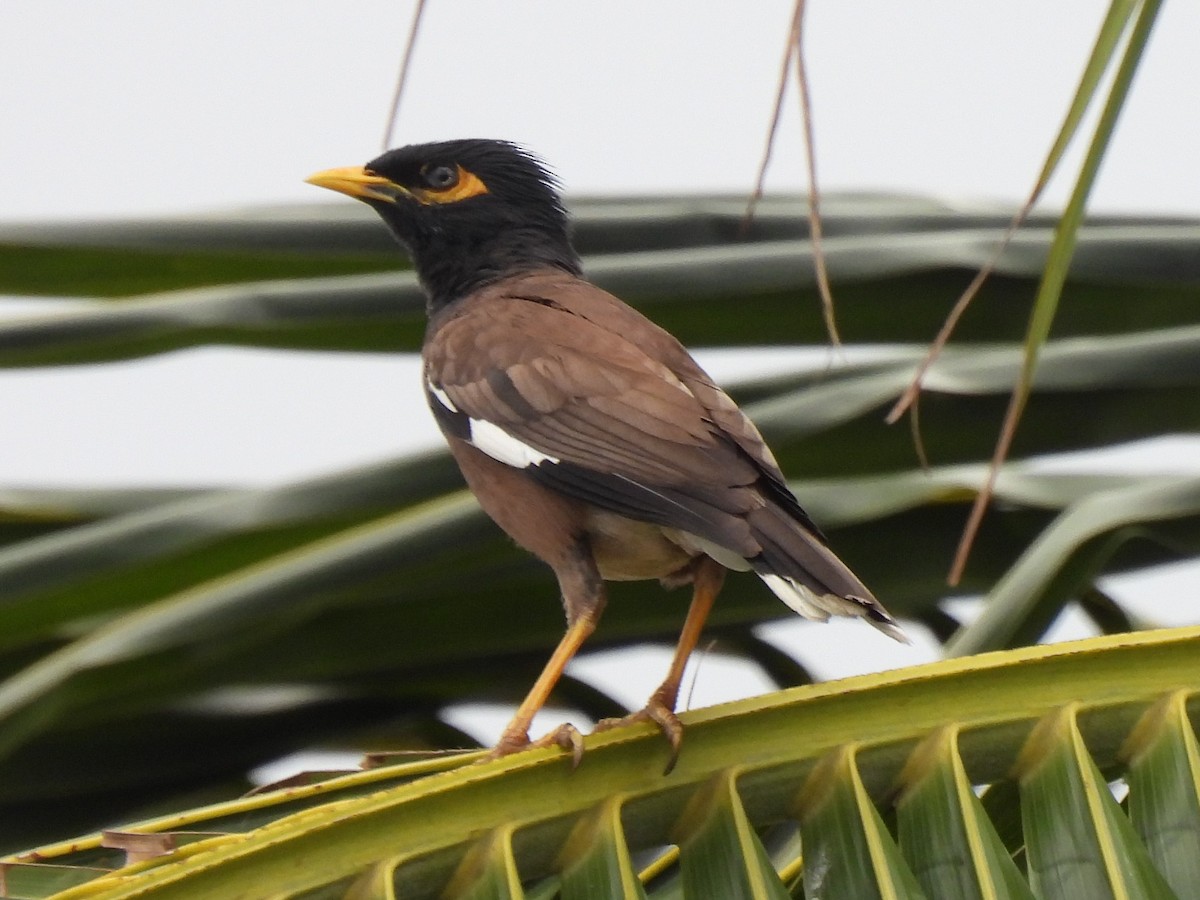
(586, 431)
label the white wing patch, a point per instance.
(441, 396)
(491, 438)
(503, 447)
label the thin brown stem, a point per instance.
(1016, 404)
(909, 397)
(814, 193)
(402, 77)
(776, 114)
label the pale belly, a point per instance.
(628, 550)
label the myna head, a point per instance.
(469, 211)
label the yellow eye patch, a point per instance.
(466, 186)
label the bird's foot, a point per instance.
(514, 740)
(662, 714)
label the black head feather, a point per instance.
(473, 211)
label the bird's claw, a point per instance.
(660, 713)
(566, 736)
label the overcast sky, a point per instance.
(139, 107)
(118, 106)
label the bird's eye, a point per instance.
(440, 177)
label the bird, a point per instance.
(587, 432)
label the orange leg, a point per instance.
(660, 709)
(516, 734)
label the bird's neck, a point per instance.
(450, 271)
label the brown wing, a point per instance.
(551, 374)
(547, 363)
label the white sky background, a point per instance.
(120, 108)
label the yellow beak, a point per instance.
(357, 182)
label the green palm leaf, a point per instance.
(828, 760)
(144, 621)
